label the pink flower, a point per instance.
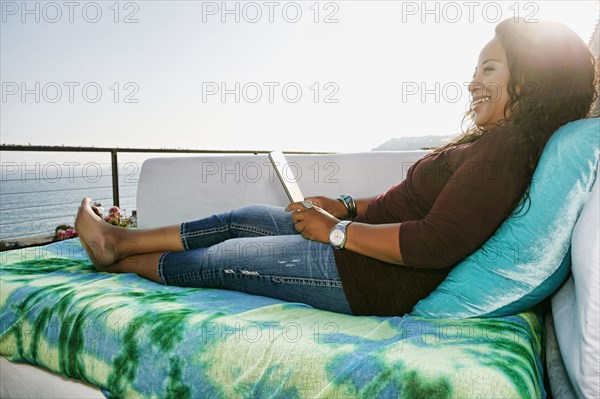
(64, 232)
(116, 218)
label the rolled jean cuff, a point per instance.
(161, 274)
(183, 237)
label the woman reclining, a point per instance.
(379, 256)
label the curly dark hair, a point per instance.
(553, 80)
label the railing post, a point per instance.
(115, 176)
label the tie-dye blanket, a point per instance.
(135, 338)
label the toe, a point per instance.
(96, 210)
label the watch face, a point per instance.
(336, 237)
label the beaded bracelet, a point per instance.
(350, 205)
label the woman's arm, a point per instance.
(474, 201)
(336, 207)
(363, 203)
(379, 241)
(376, 241)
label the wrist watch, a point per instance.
(337, 235)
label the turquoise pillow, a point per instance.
(528, 257)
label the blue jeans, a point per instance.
(255, 249)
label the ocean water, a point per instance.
(36, 198)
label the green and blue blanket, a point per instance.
(134, 338)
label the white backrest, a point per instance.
(576, 305)
(173, 190)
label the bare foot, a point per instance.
(98, 238)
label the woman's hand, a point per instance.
(330, 205)
(376, 241)
(313, 223)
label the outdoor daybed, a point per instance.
(123, 336)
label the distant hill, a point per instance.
(413, 143)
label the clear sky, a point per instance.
(305, 75)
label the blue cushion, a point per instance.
(528, 257)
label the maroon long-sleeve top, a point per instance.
(449, 204)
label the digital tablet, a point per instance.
(286, 176)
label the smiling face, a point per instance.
(488, 88)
